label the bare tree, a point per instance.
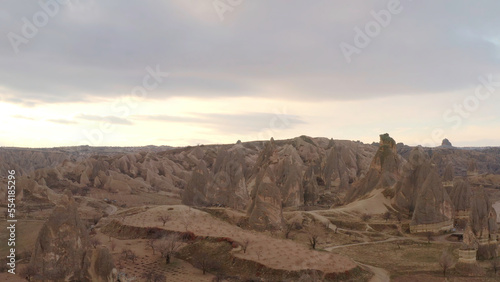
(205, 262)
(311, 276)
(399, 217)
(152, 276)
(365, 217)
(258, 252)
(164, 218)
(313, 235)
(495, 264)
(168, 246)
(186, 220)
(94, 242)
(152, 244)
(244, 245)
(113, 245)
(128, 254)
(288, 230)
(428, 235)
(446, 261)
(387, 215)
(28, 272)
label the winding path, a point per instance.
(379, 274)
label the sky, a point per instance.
(187, 72)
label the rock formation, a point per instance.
(472, 168)
(383, 172)
(433, 210)
(310, 184)
(229, 186)
(460, 195)
(446, 143)
(63, 252)
(414, 174)
(195, 193)
(483, 216)
(266, 208)
(448, 175)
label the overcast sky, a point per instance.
(185, 72)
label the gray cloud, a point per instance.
(63, 121)
(233, 123)
(23, 117)
(109, 119)
(101, 48)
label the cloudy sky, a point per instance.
(185, 72)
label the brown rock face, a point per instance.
(62, 250)
(446, 143)
(266, 209)
(229, 186)
(483, 216)
(195, 193)
(433, 204)
(461, 195)
(383, 172)
(414, 174)
(310, 184)
(448, 174)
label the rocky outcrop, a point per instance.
(62, 250)
(483, 216)
(310, 184)
(229, 187)
(433, 206)
(414, 174)
(195, 193)
(448, 175)
(472, 168)
(460, 195)
(266, 211)
(446, 143)
(383, 172)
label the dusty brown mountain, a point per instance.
(195, 193)
(266, 209)
(433, 205)
(384, 170)
(335, 165)
(446, 143)
(483, 216)
(414, 174)
(229, 187)
(460, 195)
(487, 159)
(311, 189)
(63, 252)
(26, 160)
(449, 173)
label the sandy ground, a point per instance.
(272, 252)
(374, 203)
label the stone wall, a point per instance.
(434, 227)
(467, 256)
